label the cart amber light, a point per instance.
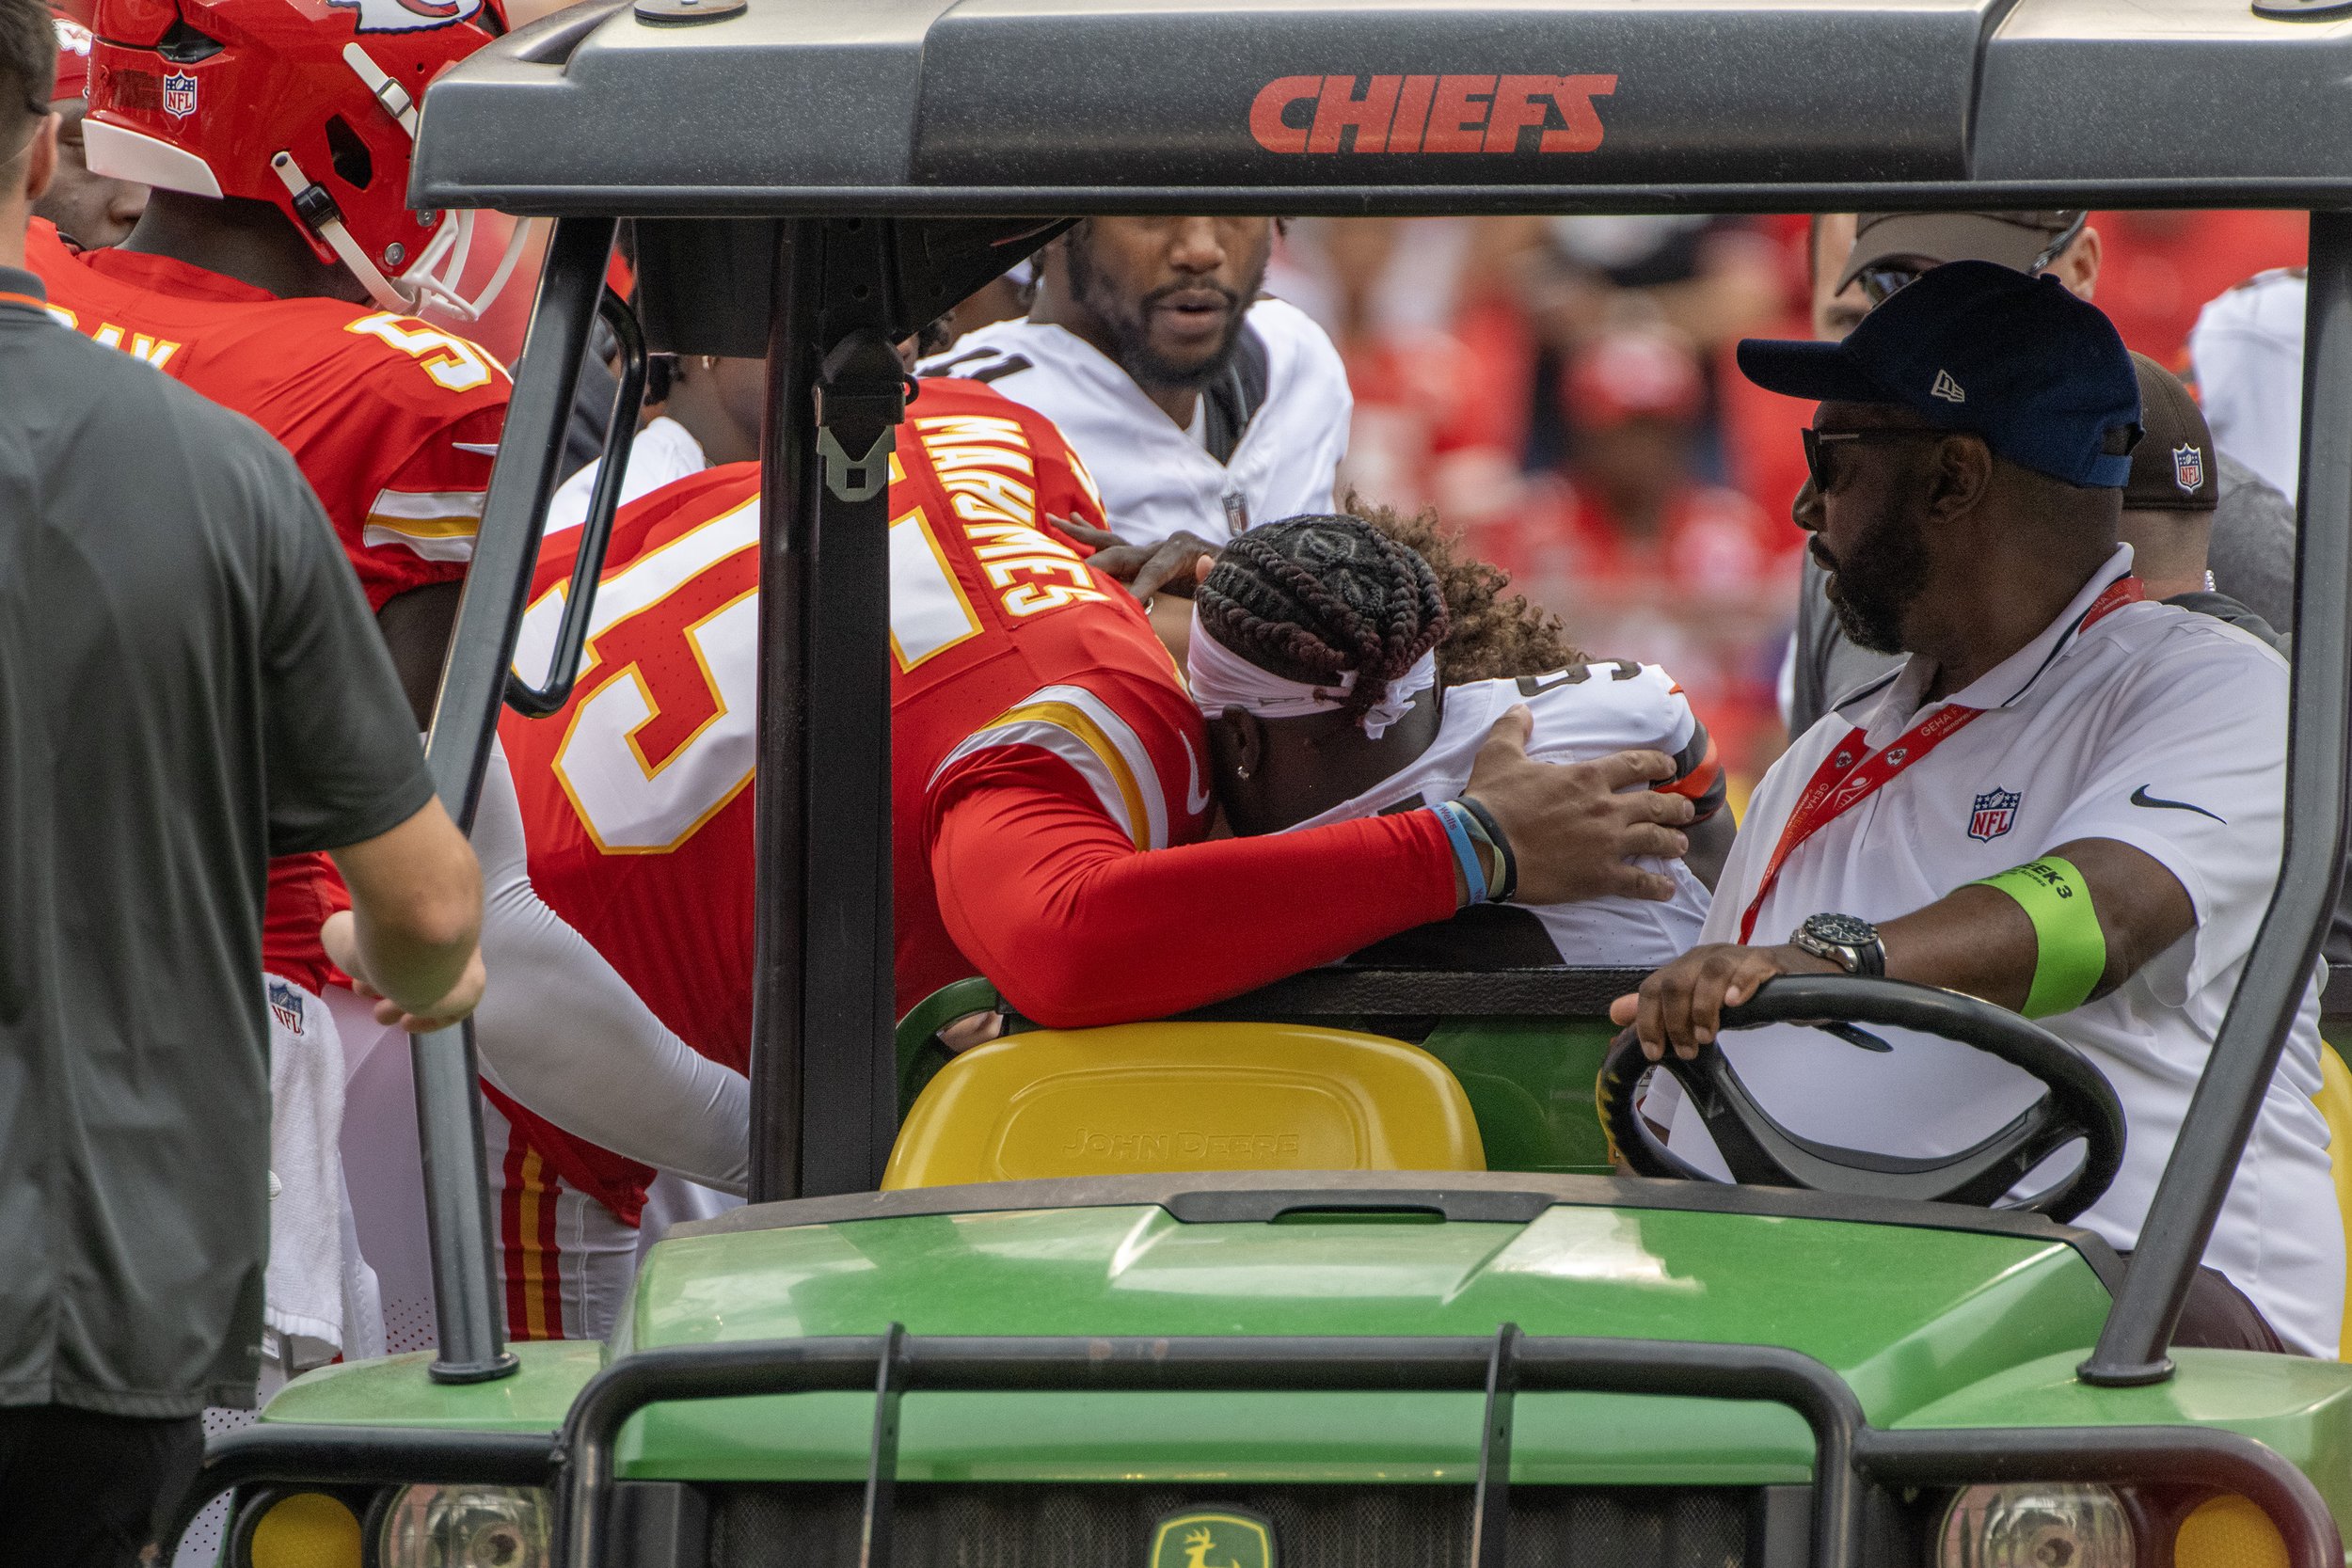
(305, 1529)
(2229, 1532)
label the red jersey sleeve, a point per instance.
(1050, 835)
(420, 524)
(1078, 927)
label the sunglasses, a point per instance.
(1820, 444)
(1887, 278)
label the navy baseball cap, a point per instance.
(1974, 346)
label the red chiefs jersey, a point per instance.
(393, 422)
(635, 795)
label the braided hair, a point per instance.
(1313, 598)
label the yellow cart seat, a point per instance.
(2334, 1101)
(1184, 1097)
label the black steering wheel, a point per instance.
(2079, 1104)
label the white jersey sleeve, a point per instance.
(1590, 710)
(563, 1032)
(1581, 713)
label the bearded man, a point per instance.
(1198, 406)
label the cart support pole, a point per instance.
(2132, 1347)
(823, 1096)
(469, 1319)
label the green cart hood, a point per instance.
(1936, 1317)
(1908, 1313)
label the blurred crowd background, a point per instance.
(1561, 391)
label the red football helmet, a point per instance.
(311, 105)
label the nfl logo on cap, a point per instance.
(1995, 813)
(179, 95)
(2188, 467)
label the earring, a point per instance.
(1241, 769)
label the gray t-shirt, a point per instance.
(190, 682)
(2251, 555)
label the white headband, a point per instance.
(1221, 678)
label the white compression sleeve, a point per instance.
(563, 1032)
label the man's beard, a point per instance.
(1129, 324)
(1876, 582)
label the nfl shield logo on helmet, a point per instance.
(1995, 813)
(179, 95)
(2188, 467)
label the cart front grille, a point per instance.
(1028, 1526)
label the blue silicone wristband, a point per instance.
(1465, 852)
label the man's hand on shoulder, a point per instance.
(1576, 828)
(1681, 1004)
(1171, 566)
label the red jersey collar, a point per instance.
(168, 275)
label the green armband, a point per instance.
(2073, 951)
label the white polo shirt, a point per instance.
(1156, 478)
(2156, 727)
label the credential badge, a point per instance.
(1213, 1538)
(1995, 813)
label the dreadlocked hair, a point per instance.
(1493, 635)
(1313, 598)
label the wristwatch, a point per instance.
(1847, 940)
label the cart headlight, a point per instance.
(465, 1526)
(2036, 1525)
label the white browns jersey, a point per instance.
(2155, 727)
(1155, 476)
(664, 453)
(1581, 713)
(2247, 355)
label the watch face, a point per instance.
(1845, 930)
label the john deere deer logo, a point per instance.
(1219, 1539)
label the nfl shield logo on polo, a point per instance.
(179, 95)
(1995, 813)
(2188, 467)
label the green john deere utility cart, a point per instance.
(1494, 1351)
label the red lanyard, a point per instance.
(1854, 772)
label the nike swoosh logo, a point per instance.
(2141, 797)
(1195, 798)
(486, 449)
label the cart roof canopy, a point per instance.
(970, 106)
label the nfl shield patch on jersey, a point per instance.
(1994, 814)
